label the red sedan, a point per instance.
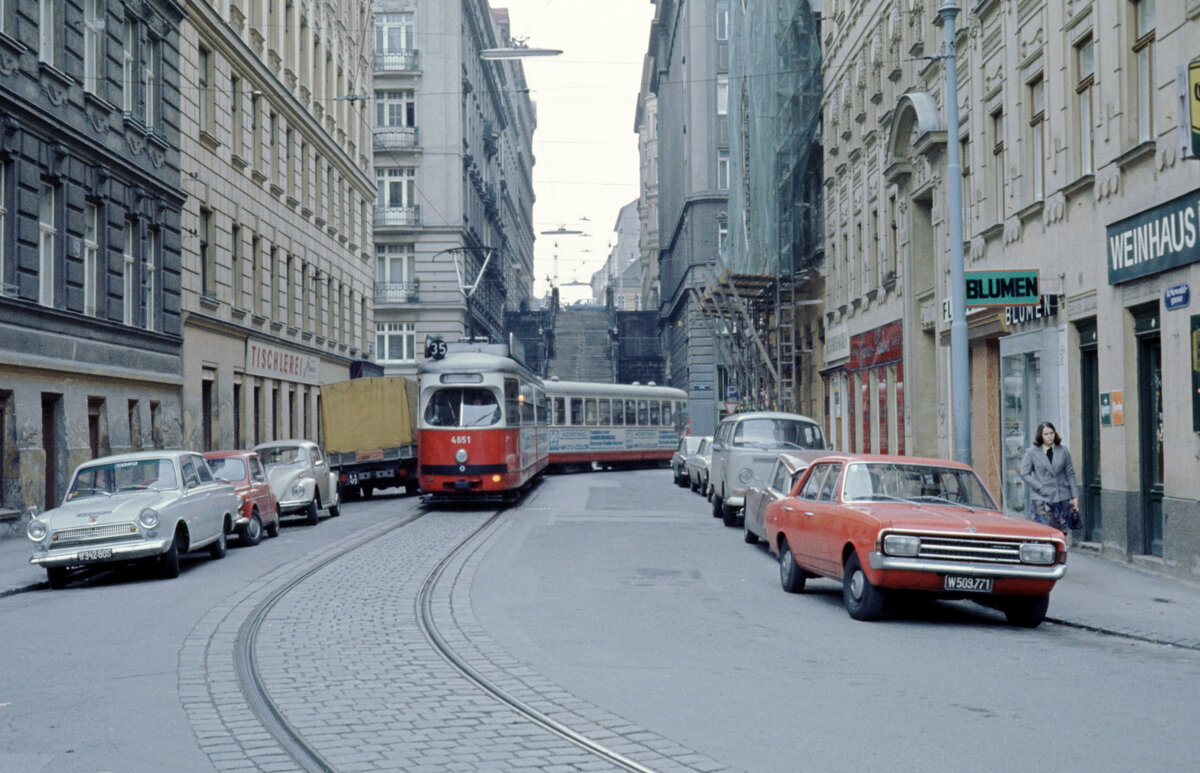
(890, 523)
(259, 510)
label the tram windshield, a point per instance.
(462, 407)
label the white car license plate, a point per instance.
(99, 554)
(969, 584)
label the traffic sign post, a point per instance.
(730, 406)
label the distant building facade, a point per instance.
(90, 263)
(276, 277)
(646, 126)
(452, 147)
(621, 275)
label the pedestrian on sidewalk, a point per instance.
(1047, 470)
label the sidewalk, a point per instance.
(1096, 594)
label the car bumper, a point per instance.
(293, 505)
(128, 551)
(734, 501)
(882, 562)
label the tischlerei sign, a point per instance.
(274, 361)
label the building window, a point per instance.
(256, 275)
(723, 169)
(395, 341)
(396, 185)
(722, 21)
(235, 266)
(289, 176)
(149, 275)
(235, 112)
(3, 222)
(394, 264)
(150, 64)
(722, 234)
(1085, 66)
(93, 44)
(127, 273)
(1143, 51)
(128, 65)
(394, 33)
(1037, 137)
(273, 144)
(998, 172)
(91, 251)
(46, 244)
(255, 134)
(395, 108)
(47, 27)
(964, 157)
(208, 268)
(722, 94)
(305, 186)
(140, 66)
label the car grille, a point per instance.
(980, 550)
(107, 534)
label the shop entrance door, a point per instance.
(1089, 377)
(1150, 429)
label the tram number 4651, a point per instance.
(460, 439)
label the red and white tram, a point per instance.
(489, 427)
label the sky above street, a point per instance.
(585, 145)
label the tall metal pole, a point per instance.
(960, 375)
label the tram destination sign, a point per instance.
(1003, 288)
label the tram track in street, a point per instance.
(303, 753)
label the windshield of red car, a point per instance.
(230, 468)
(919, 483)
(116, 477)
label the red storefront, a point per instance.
(875, 378)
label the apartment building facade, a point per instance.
(276, 275)
(90, 214)
(452, 138)
(1072, 165)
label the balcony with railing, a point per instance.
(396, 137)
(397, 292)
(396, 61)
(397, 216)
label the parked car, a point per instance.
(779, 482)
(697, 466)
(300, 478)
(880, 524)
(260, 511)
(150, 506)
(744, 448)
(688, 444)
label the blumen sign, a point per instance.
(1155, 240)
(1003, 288)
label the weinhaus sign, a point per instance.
(1155, 240)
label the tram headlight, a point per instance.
(460, 456)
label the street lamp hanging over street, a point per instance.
(518, 50)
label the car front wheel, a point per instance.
(169, 561)
(251, 533)
(716, 506)
(56, 576)
(791, 576)
(218, 548)
(729, 515)
(750, 537)
(311, 515)
(863, 600)
(1026, 611)
(335, 507)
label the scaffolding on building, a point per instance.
(768, 271)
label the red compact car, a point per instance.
(894, 523)
(259, 510)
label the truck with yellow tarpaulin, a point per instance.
(370, 433)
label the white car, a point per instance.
(744, 448)
(300, 478)
(144, 506)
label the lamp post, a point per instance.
(960, 379)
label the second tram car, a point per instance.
(489, 427)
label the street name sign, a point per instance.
(1003, 288)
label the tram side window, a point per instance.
(528, 414)
(666, 413)
(560, 411)
(631, 413)
(605, 413)
(589, 411)
(543, 414)
(577, 411)
(618, 413)
(655, 416)
(512, 401)
(470, 407)
(643, 413)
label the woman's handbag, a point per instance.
(1074, 518)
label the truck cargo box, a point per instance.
(368, 414)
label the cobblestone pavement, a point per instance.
(344, 659)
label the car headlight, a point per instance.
(298, 490)
(1038, 553)
(148, 518)
(241, 501)
(37, 530)
(904, 545)
(460, 456)
(745, 475)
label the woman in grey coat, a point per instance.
(1047, 470)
